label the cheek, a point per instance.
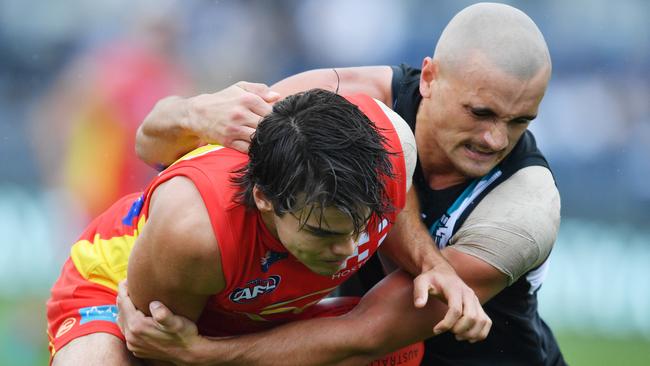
(458, 132)
(288, 238)
(515, 133)
(300, 245)
(457, 123)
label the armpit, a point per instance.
(514, 227)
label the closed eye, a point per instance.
(522, 120)
(481, 113)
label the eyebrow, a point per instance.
(321, 231)
(489, 111)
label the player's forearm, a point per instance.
(384, 321)
(325, 341)
(409, 244)
(374, 81)
(163, 136)
(412, 251)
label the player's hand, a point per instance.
(230, 116)
(163, 336)
(465, 316)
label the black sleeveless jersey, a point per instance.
(518, 335)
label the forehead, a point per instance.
(479, 83)
(328, 218)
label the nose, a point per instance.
(496, 136)
(344, 248)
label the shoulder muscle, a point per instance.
(176, 257)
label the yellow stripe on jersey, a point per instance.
(279, 304)
(104, 261)
(279, 308)
(198, 152)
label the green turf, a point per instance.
(584, 350)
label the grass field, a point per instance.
(583, 350)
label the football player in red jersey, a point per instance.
(324, 181)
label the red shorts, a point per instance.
(79, 307)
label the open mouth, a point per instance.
(479, 154)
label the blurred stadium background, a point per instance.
(76, 77)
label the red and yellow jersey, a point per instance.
(265, 284)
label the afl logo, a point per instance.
(254, 288)
(65, 326)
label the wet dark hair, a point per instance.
(316, 148)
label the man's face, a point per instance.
(474, 116)
(322, 242)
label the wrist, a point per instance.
(196, 354)
(182, 128)
(439, 265)
(442, 266)
(207, 351)
(183, 122)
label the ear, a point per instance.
(428, 76)
(263, 204)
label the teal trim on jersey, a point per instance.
(450, 211)
(442, 229)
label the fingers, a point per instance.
(124, 306)
(259, 98)
(243, 133)
(132, 322)
(484, 331)
(454, 312)
(164, 319)
(240, 145)
(472, 329)
(238, 138)
(466, 324)
(262, 90)
(259, 106)
(123, 300)
(474, 325)
(465, 316)
(480, 327)
(230, 116)
(421, 288)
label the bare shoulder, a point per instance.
(180, 235)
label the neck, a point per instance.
(267, 220)
(442, 181)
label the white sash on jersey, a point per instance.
(443, 229)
